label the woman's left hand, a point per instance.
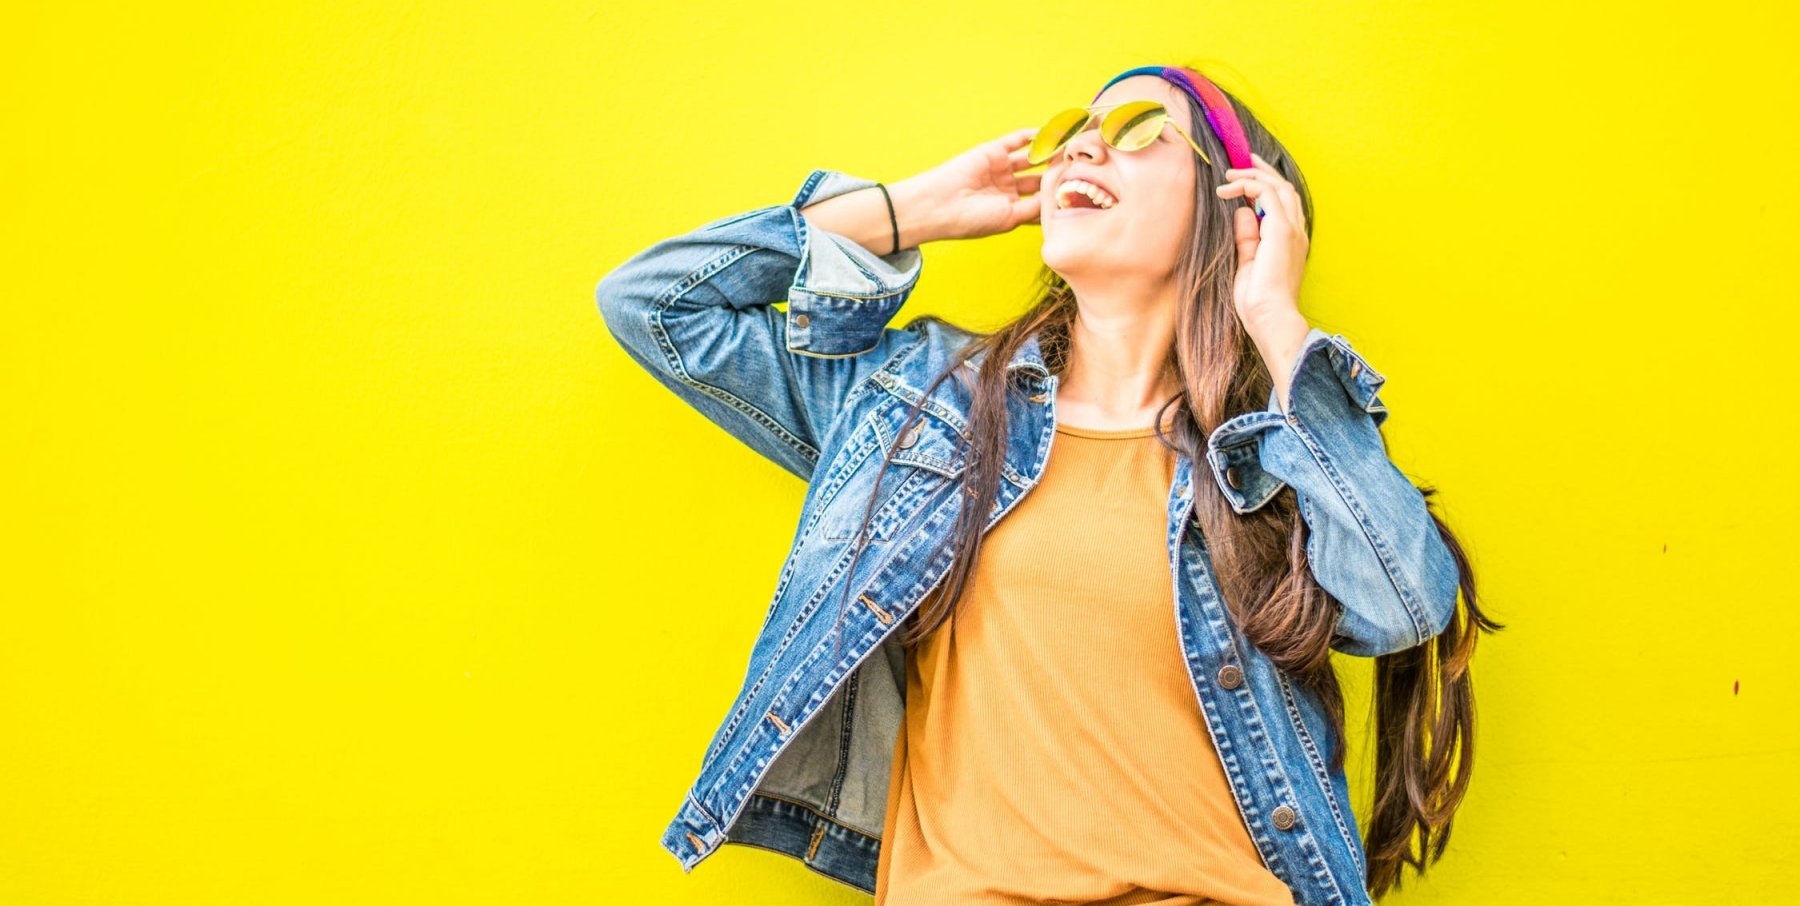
(1271, 256)
(1271, 251)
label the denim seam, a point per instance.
(876, 633)
(844, 463)
(1377, 542)
(1222, 442)
(820, 815)
(1320, 773)
(774, 657)
(846, 724)
(1220, 735)
(891, 511)
(812, 865)
(673, 355)
(702, 809)
(1261, 737)
(804, 230)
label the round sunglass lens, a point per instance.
(1056, 133)
(1132, 126)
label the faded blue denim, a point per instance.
(800, 763)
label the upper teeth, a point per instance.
(1098, 195)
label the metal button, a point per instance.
(1231, 676)
(1041, 397)
(1354, 368)
(1283, 816)
(910, 437)
(1234, 478)
(801, 320)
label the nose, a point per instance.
(1086, 143)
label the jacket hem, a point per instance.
(837, 851)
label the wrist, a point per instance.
(1271, 324)
(917, 208)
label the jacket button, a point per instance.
(910, 437)
(1234, 478)
(801, 320)
(1355, 368)
(1231, 676)
(1283, 816)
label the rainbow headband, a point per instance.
(1219, 114)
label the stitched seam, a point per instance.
(812, 865)
(855, 297)
(1376, 542)
(816, 813)
(806, 611)
(1317, 760)
(702, 809)
(1257, 737)
(874, 635)
(852, 685)
(672, 354)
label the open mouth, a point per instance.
(1073, 194)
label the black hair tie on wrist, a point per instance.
(892, 221)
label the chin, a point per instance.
(1066, 261)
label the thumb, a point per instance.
(1247, 233)
(1027, 209)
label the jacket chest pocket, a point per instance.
(928, 462)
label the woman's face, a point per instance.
(1139, 238)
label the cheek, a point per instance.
(1167, 213)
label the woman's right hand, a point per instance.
(979, 192)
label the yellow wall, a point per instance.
(348, 559)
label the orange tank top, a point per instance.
(1053, 748)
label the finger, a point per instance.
(1284, 190)
(1290, 199)
(1256, 190)
(1031, 183)
(1017, 137)
(1247, 233)
(1028, 210)
(1021, 160)
(1257, 165)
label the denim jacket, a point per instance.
(800, 762)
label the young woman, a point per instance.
(1104, 672)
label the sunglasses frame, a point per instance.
(1167, 118)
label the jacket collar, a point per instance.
(1029, 357)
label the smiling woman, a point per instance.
(1076, 192)
(1100, 674)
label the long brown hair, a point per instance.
(1424, 696)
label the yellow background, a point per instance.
(348, 559)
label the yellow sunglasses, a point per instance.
(1130, 126)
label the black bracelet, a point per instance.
(892, 221)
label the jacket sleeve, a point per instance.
(1371, 542)
(696, 311)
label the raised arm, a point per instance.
(1371, 543)
(696, 311)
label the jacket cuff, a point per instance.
(843, 295)
(1331, 384)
